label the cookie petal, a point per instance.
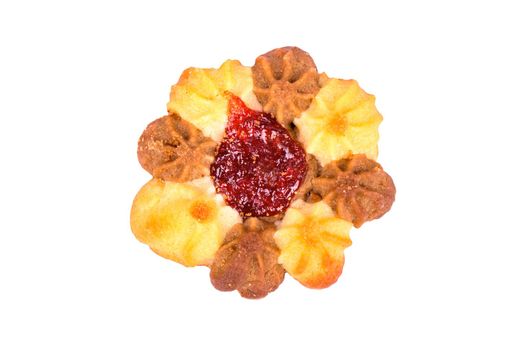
(173, 149)
(200, 96)
(312, 242)
(184, 222)
(247, 261)
(356, 188)
(285, 82)
(342, 120)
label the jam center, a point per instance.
(258, 166)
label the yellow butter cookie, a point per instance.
(341, 120)
(184, 222)
(312, 240)
(200, 96)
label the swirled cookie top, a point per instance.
(201, 98)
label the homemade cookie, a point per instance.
(261, 171)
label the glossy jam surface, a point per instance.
(258, 166)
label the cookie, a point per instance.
(356, 188)
(248, 260)
(342, 120)
(183, 222)
(261, 171)
(173, 149)
(312, 240)
(285, 82)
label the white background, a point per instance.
(78, 84)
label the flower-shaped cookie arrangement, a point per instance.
(261, 171)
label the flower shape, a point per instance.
(285, 82)
(357, 188)
(175, 150)
(341, 120)
(258, 171)
(247, 260)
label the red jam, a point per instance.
(258, 166)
